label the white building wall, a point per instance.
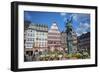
(29, 38)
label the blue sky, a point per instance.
(81, 22)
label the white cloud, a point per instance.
(75, 16)
(65, 19)
(63, 14)
(82, 28)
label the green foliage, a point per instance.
(85, 55)
(78, 55)
(56, 55)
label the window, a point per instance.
(40, 39)
(36, 38)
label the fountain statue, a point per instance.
(71, 37)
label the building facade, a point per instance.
(54, 37)
(84, 42)
(29, 38)
(63, 40)
(41, 38)
(35, 38)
